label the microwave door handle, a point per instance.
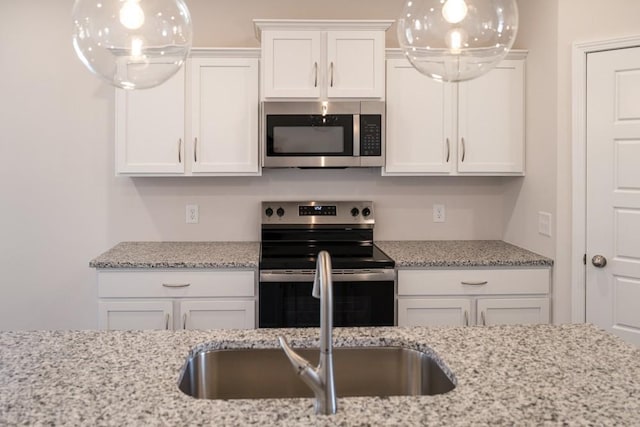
(356, 135)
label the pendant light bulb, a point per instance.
(132, 44)
(131, 14)
(454, 11)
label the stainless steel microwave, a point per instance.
(323, 134)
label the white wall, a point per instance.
(579, 21)
(523, 199)
(61, 204)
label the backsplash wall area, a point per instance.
(154, 208)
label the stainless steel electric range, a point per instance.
(363, 276)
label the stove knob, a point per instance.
(268, 212)
(280, 212)
(366, 212)
(355, 212)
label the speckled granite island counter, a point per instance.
(180, 255)
(460, 253)
(507, 375)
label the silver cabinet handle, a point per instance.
(195, 150)
(176, 285)
(466, 318)
(464, 149)
(448, 150)
(483, 318)
(315, 69)
(184, 321)
(331, 69)
(599, 261)
(180, 150)
(166, 321)
(474, 283)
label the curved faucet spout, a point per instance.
(320, 379)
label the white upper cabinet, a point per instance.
(224, 116)
(469, 128)
(205, 124)
(491, 121)
(150, 129)
(420, 120)
(322, 59)
(291, 64)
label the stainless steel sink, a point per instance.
(267, 373)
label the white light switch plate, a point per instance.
(544, 223)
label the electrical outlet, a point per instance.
(438, 213)
(544, 223)
(193, 217)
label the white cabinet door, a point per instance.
(135, 315)
(355, 64)
(512, 311)
(150, 128)
(217, 314)
(291, 64)
(420, 114)
(224, 116)
(491, 121)
(434, 312)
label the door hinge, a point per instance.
(584, 259)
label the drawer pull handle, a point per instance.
(176, 285)
(466, 318)
(184, 321)
(475, 283)
(483, 318)
(166, 321)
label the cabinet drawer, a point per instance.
(171, 284)
(474, 281)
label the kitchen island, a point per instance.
(531, 375)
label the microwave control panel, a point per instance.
(370, 135)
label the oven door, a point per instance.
(359, 299)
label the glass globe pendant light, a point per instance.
(457, 40)
(132, 44)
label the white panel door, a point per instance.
(613, 191)
(355, 64)
(419, 122)
(217, 314)
(434, 312)
(224, 116)
(291, 61)
(135, 315)
(150, 128)
(491, 121)
(512, 311)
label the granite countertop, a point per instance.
(180, 255)
(460, 253)
(418, 253)
(523, 375)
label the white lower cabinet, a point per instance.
(443, 297)
(173, 300)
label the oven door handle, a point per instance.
(307, 276)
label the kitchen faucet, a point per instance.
(319, 379)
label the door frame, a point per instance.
(579, 165)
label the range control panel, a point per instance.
(285, 212)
